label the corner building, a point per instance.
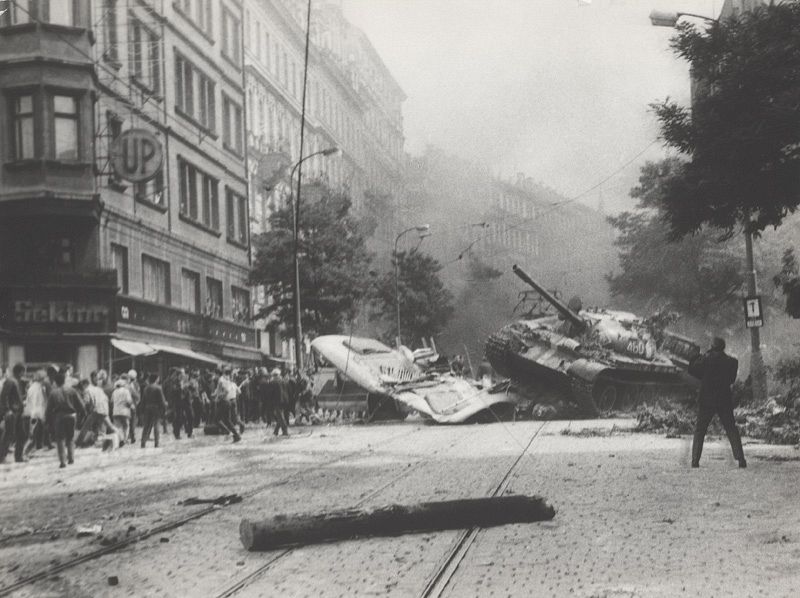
(95, 270)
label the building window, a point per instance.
(231, 125)
(120, 256)
(61, 12)
(236, 214)
(214, 298)
(194, 93)
(231, 40)
(190, 291)
(65, 116)
(18, 12)
(199, 195)
(112, 40)
(240, 304)
(144, 56)
(22, 127)
(151, 191)
(198, 11)
(155, 280)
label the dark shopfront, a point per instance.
(153, 337)
(69, 320)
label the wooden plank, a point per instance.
(299, 529)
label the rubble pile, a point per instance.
(772, 422)
(672, 419)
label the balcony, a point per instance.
(138, 312)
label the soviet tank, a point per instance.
(600, 360)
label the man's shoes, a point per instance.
(695, 464)
(742, 464)
(62, 466)
(237, 439)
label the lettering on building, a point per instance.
(59, 312)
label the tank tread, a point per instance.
(619, 395)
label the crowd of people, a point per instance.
(54, 405)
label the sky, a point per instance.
(556, 89)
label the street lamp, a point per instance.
(663, 18)
(422, 228)
(298, 330)
(758, 374)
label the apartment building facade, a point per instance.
(99, 269)
(352, 103)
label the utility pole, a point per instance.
(758, 374)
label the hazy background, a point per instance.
(557, 89)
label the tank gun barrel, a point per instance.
(565, 311)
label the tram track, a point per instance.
(263, 569)
(179, 521)
(448, 564)
(452, 559)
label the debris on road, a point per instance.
(224, 500)
(392, 520)
(88, 530)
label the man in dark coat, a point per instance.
(64, 408)
(276, 392)
(182, 416)
(153, 407)
(716, 371)
(12, 400)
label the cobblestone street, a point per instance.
(632, 518)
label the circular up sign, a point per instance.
(136, 155)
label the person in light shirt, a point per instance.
(34, 411)
(98, 421)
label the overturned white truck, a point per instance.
(360, 374)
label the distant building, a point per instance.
(96, 270)
(352, 103)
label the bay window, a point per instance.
(65, 127)
(22, 127)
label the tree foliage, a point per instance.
(742, 132)
(788, 281)
(425, 304)
(334, 264)
(697, 275)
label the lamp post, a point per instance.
(758, 375)
(298, 330)
(422, 228)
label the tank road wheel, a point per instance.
(607, 397)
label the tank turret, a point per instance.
(566, 313)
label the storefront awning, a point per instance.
(188, 353)
(133, 348)
(140, 349)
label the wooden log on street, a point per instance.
(299, 529)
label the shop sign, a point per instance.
(136, 155)
(59, 312)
